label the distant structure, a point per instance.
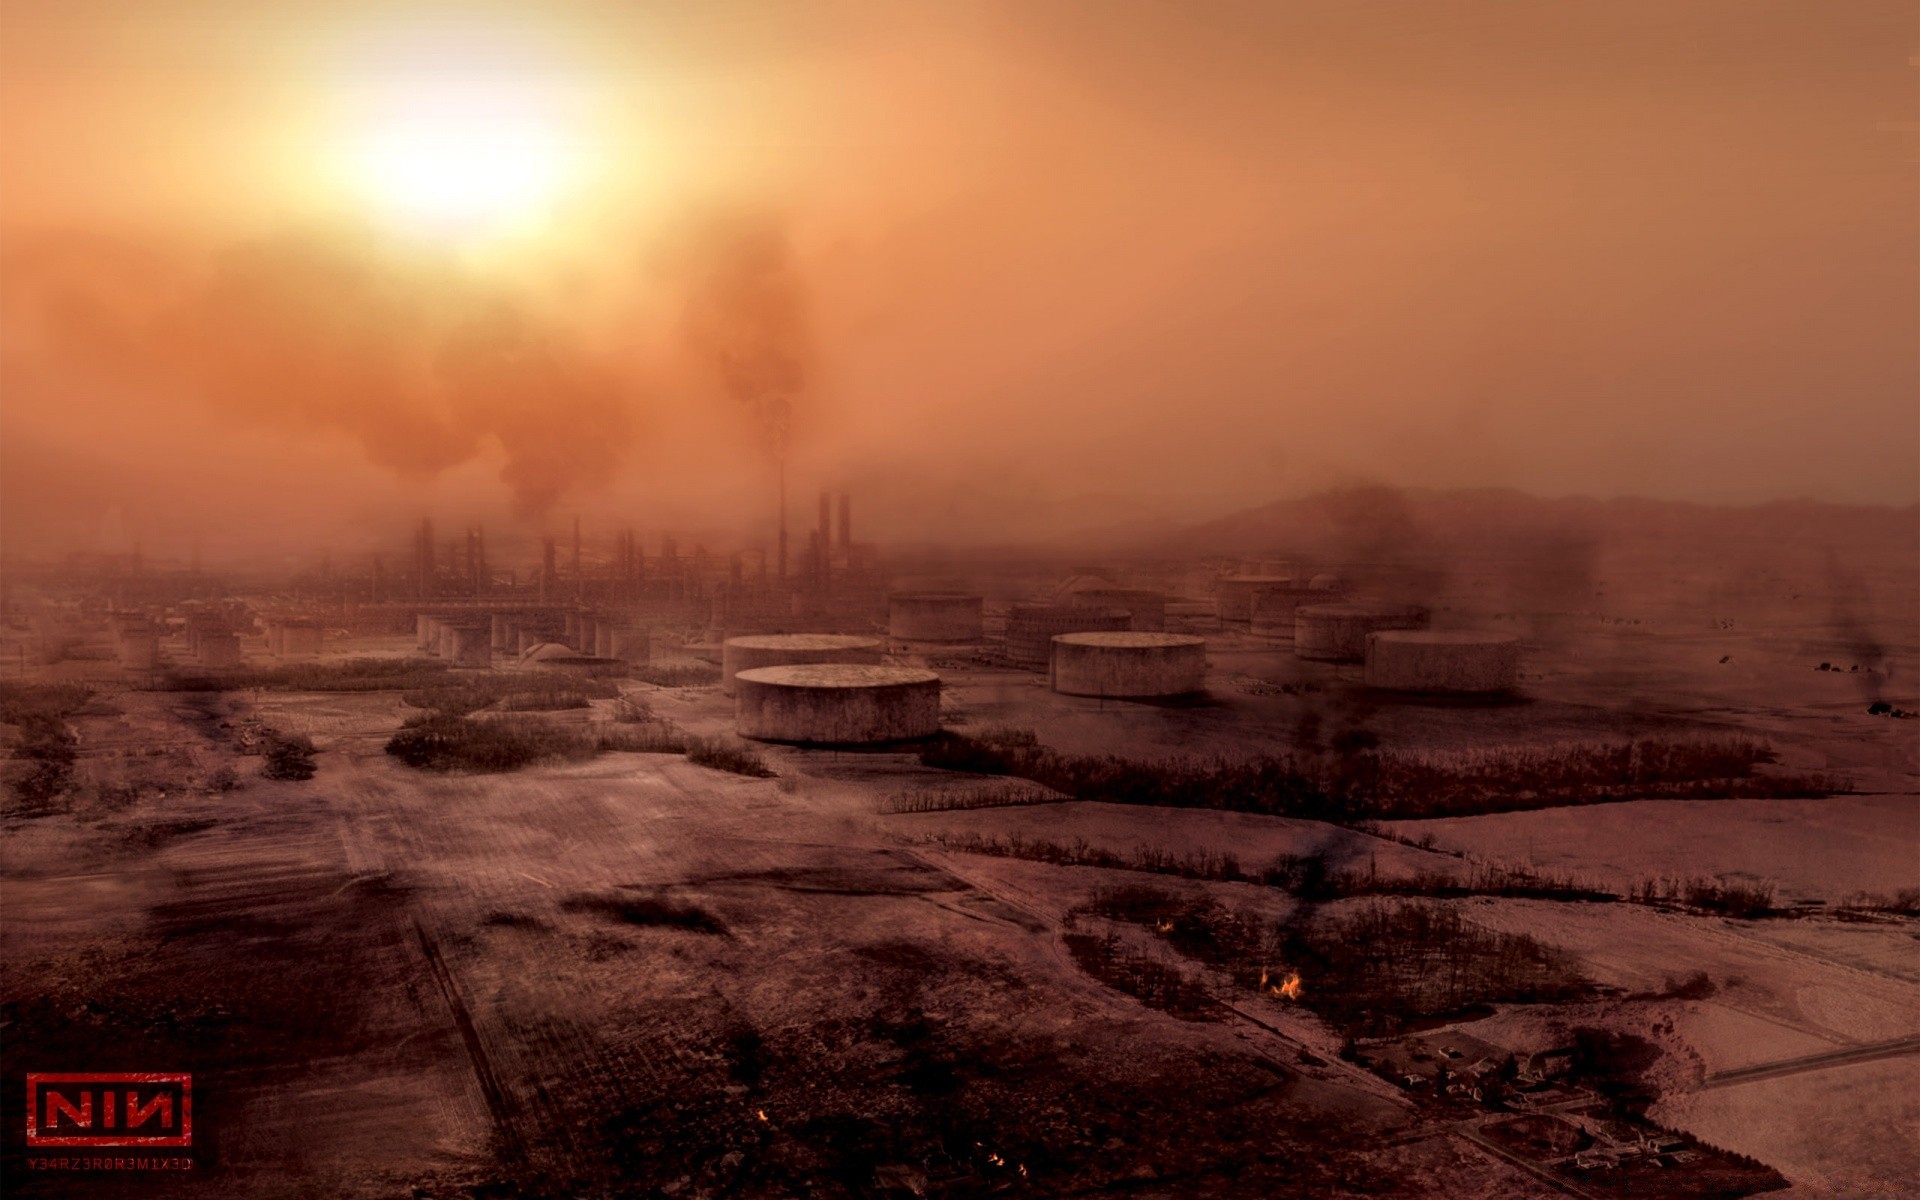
(935, 616)
(1235, 595)
(1443, 662)
(294, 638)
(1129, 665)
(1031, 629)
(754, 651)
(837, 704)
(1338, 632)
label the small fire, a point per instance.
(1289, 988)
(761, 1113)
(1165, 927)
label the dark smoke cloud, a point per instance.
(413, 359)
(744, 313)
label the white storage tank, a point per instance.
(1338, 632)
(752, 651)
(1452, 662)
(934, 616)
(836, 704)
(1135, 665)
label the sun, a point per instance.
(458, 143)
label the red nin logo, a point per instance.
(110, 1110)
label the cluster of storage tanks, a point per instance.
(471, 638)
(1394, 642)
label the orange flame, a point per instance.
(1290, 988)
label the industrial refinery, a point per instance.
(864, 601)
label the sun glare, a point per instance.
(460, 144)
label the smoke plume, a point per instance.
(744, 315)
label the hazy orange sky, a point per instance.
(1023, 268)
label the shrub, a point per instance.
(289, 756)
(448, 743)
(724, 754)
(648, 910)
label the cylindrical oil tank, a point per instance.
(219, 648)
(1448, 661)
(1031, 629)
(472, 646)
(1234, 594)
(1338, 632)
(631, 644)
(1271, 614)
(140, 647)
(300, 639)
(1139, 665)
(836, 703)
(1146, 610)
(753, 651)
(934, 616)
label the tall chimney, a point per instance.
(846, 528)
(546, 570)
(823, 548)
(783, 520)
(579, 580)
(423, 558)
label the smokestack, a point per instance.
(423, 558)
(546, 569)
(483, 582)
(823, 544)
(846, 528)
(579, 580)
(783, 519)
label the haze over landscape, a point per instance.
(946, 601)
(1031, 268)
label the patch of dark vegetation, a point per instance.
(352, 675)
(501, 919)
(677, 674)
(446, 743)
(1308, 876)
(158, 833)
(648, 911)
(905, 1077)
(1351, 779)
(649, 737)
(925, 800)
(47, 748)
(1903, 903)
(1747, 901)
(727, 754)
(1374, 972)
(1152, 982)
(1697, 986)
(529, 691)
(289, 756)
